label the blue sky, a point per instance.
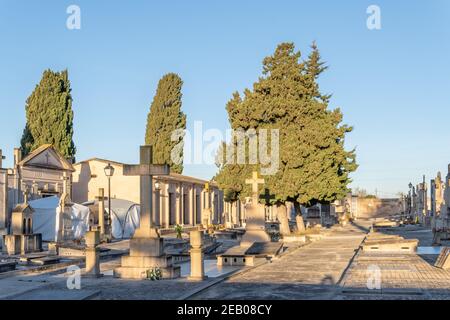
(391, 84)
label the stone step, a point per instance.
(46, 260)
(7, 266)
(141, 272)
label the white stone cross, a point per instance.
(254, 181)
(65, 178)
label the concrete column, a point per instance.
(213, 207)
(197, 262)
(167, 206)
(17, 179)
(92, 254)
(4, 215)
(178, 218)
(192, 205)
(156, 207)
(101, 211)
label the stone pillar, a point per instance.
(214, 219)
(206, 209)
(3, 198)
(4, 223)
(101, 211)
(197, 263)
(17, 179)
(167, 206)
(433, 210)
(192, 205)
(425, 200)
(157, 208)
(178, 203)
(92, 254)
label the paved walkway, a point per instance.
(326, 269)
(311, 272)
(401, 276)
(308, 272)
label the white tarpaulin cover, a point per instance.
(124, 215)
(46, 218)
(125, 218)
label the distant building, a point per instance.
(178, 199)
(40, 174)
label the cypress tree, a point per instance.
(49, 115)
(166, 123)
(313, 163)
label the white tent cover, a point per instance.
(125, 217)
(46, 218)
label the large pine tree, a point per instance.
(49, 115)
(165, 118)
(314, 166)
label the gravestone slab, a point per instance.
(58, 295)
(377, 242)
(7, 266)
(28, 257)
(46, 260)
(265, 249)
(77, 251)
(225, 235)
(443, 261)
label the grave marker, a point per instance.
(196, 252)
(146, 246)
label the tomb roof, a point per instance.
(172, 176)
(63, 163)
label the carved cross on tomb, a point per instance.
(254, 181)
(267, 196)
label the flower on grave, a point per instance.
(154, 274)
(178, 229)
(275, 235)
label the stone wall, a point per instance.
(378, 208)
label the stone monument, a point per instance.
(256, 242)
(413, 203)
(64, 220)
(439, 192)
(443, 261)
(196, 252)
(207, 212)
(92, 239)
(4, 219)
(146, 246)
(422, 202)
(255, 229)
(101, 214)
(22, 240)
(445, 206)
